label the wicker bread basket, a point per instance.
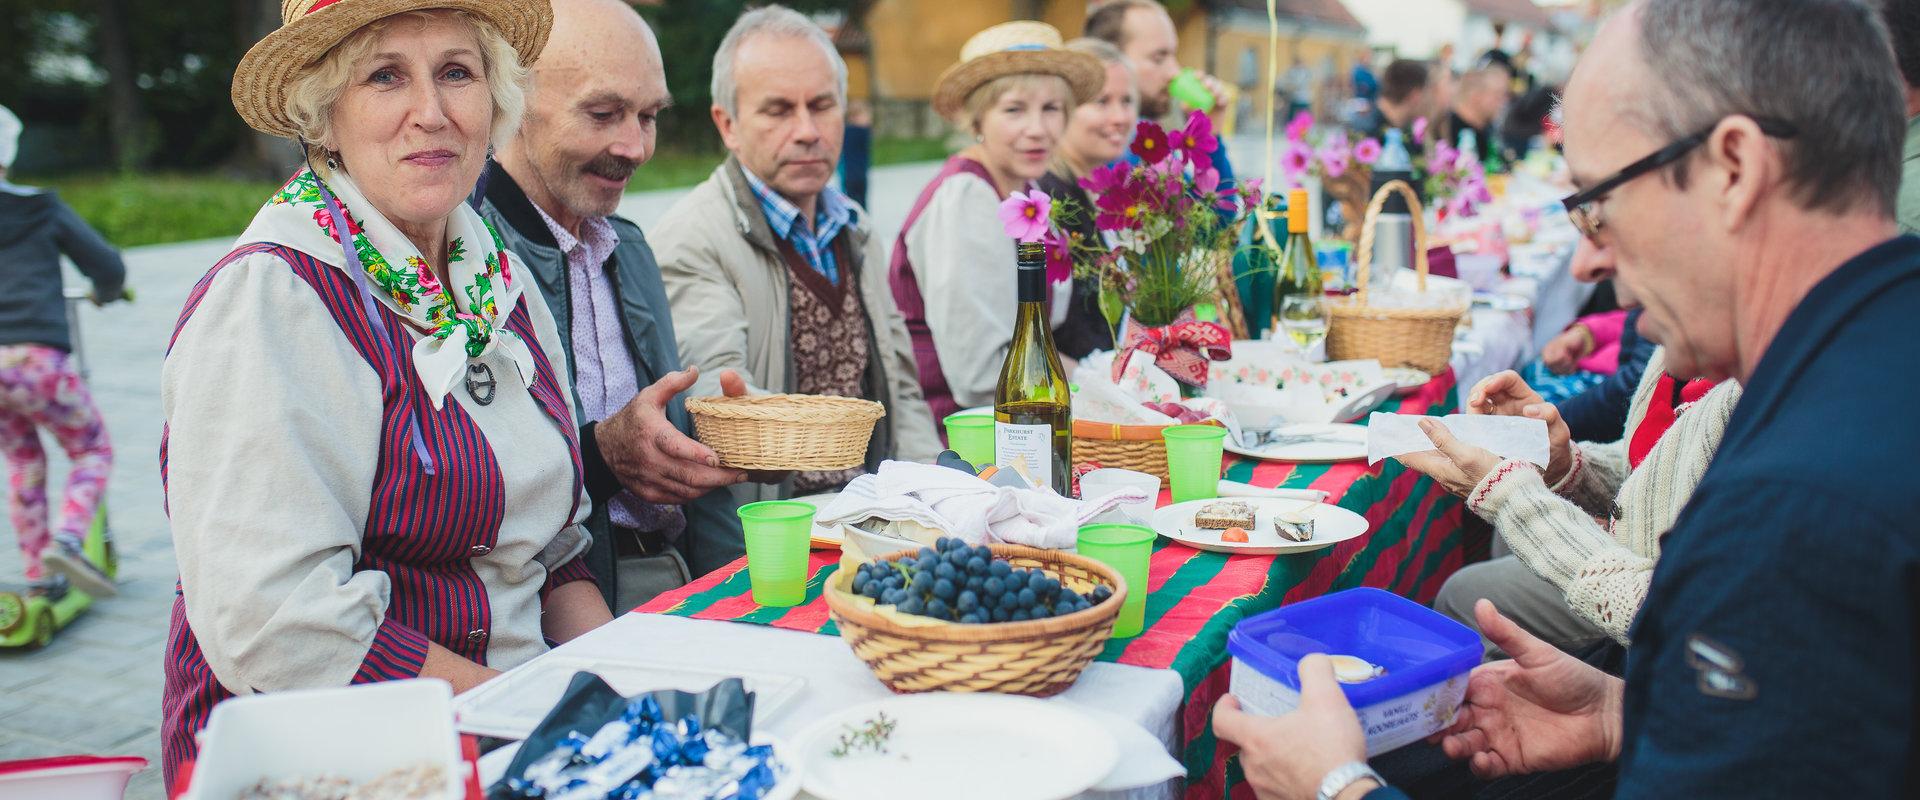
(1136, 447)
(1039, 658)
(786, 431)
(1421, 338)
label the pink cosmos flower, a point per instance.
(1420, 129)
(1333, 161)
(1297, 159)
(1104, 179)
(1367, 151)
(1196, 140)
(1024, 215)
(1059, 257)
(1298, 127)
(1443, 158)
(1150, 142)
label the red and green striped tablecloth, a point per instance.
(1418, 538)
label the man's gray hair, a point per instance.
(772, 20)
(1823, 66)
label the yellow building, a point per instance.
(896, 49)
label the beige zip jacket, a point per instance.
(728, 288)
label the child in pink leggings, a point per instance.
(39, 389)
(38, 385)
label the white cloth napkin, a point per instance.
(1520, 438)
(1238, 489)
(965, 506)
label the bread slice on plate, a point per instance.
(1224, 514)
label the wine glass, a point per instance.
(1304, 318)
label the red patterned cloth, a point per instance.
(1182, 349)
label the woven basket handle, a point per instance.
(1366, 235)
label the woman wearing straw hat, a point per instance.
(369, 458)
(953, 266)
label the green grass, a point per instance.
(153, 208)
(133, 210)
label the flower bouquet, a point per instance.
(1344, 167)
(1169, 220)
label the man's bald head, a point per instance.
(598, 88)
(588, 34)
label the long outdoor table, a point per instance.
(1418, 537)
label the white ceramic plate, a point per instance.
(825, 535)
(1331, 525)
(1339, 442)
(512, 704)
(494, 764)
(1406, 379)
(955, 746)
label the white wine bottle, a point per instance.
(1032, 406)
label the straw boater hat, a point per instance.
(1015, 48)
(309, 28)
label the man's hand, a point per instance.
(1563, 352)
(1507, 394)
(1456, 465)
(1544, 710)
(1288, 755)
(652, 458)
(1218, 89)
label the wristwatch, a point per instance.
(1344, 776)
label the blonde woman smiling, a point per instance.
(953, 266)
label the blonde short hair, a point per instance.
(312, 93)
(990, 92)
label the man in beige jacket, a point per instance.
(775, 274)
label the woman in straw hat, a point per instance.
(369, 459)
(953, 266)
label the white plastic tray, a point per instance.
(511, 705)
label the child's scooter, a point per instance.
(29, 619)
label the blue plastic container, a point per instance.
(1426, 656)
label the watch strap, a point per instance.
(1344, 776)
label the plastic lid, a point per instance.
(1418, 646)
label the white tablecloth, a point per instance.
(1501, 340)
(836, 679)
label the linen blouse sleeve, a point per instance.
(273, 427)
(964, 262)
(562, 558)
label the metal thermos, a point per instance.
(1392, 234)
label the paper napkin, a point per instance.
(1520, 438)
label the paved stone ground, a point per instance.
(96, 688)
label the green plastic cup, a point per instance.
(1127, 549)
(777, 532)
(1190, 90)
(1193, 460)
(971, 435)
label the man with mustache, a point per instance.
(661, 512)
(772, 271)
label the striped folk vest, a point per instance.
(422, 529)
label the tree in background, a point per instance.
(689, 34)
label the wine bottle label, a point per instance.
(1026, 449)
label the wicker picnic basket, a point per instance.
(1136, 447)
(1038, 658)
(1421, 338)
(786, 431)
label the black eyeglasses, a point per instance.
(1583, 207)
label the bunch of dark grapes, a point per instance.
(957, 583)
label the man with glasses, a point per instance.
(1745, 194)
